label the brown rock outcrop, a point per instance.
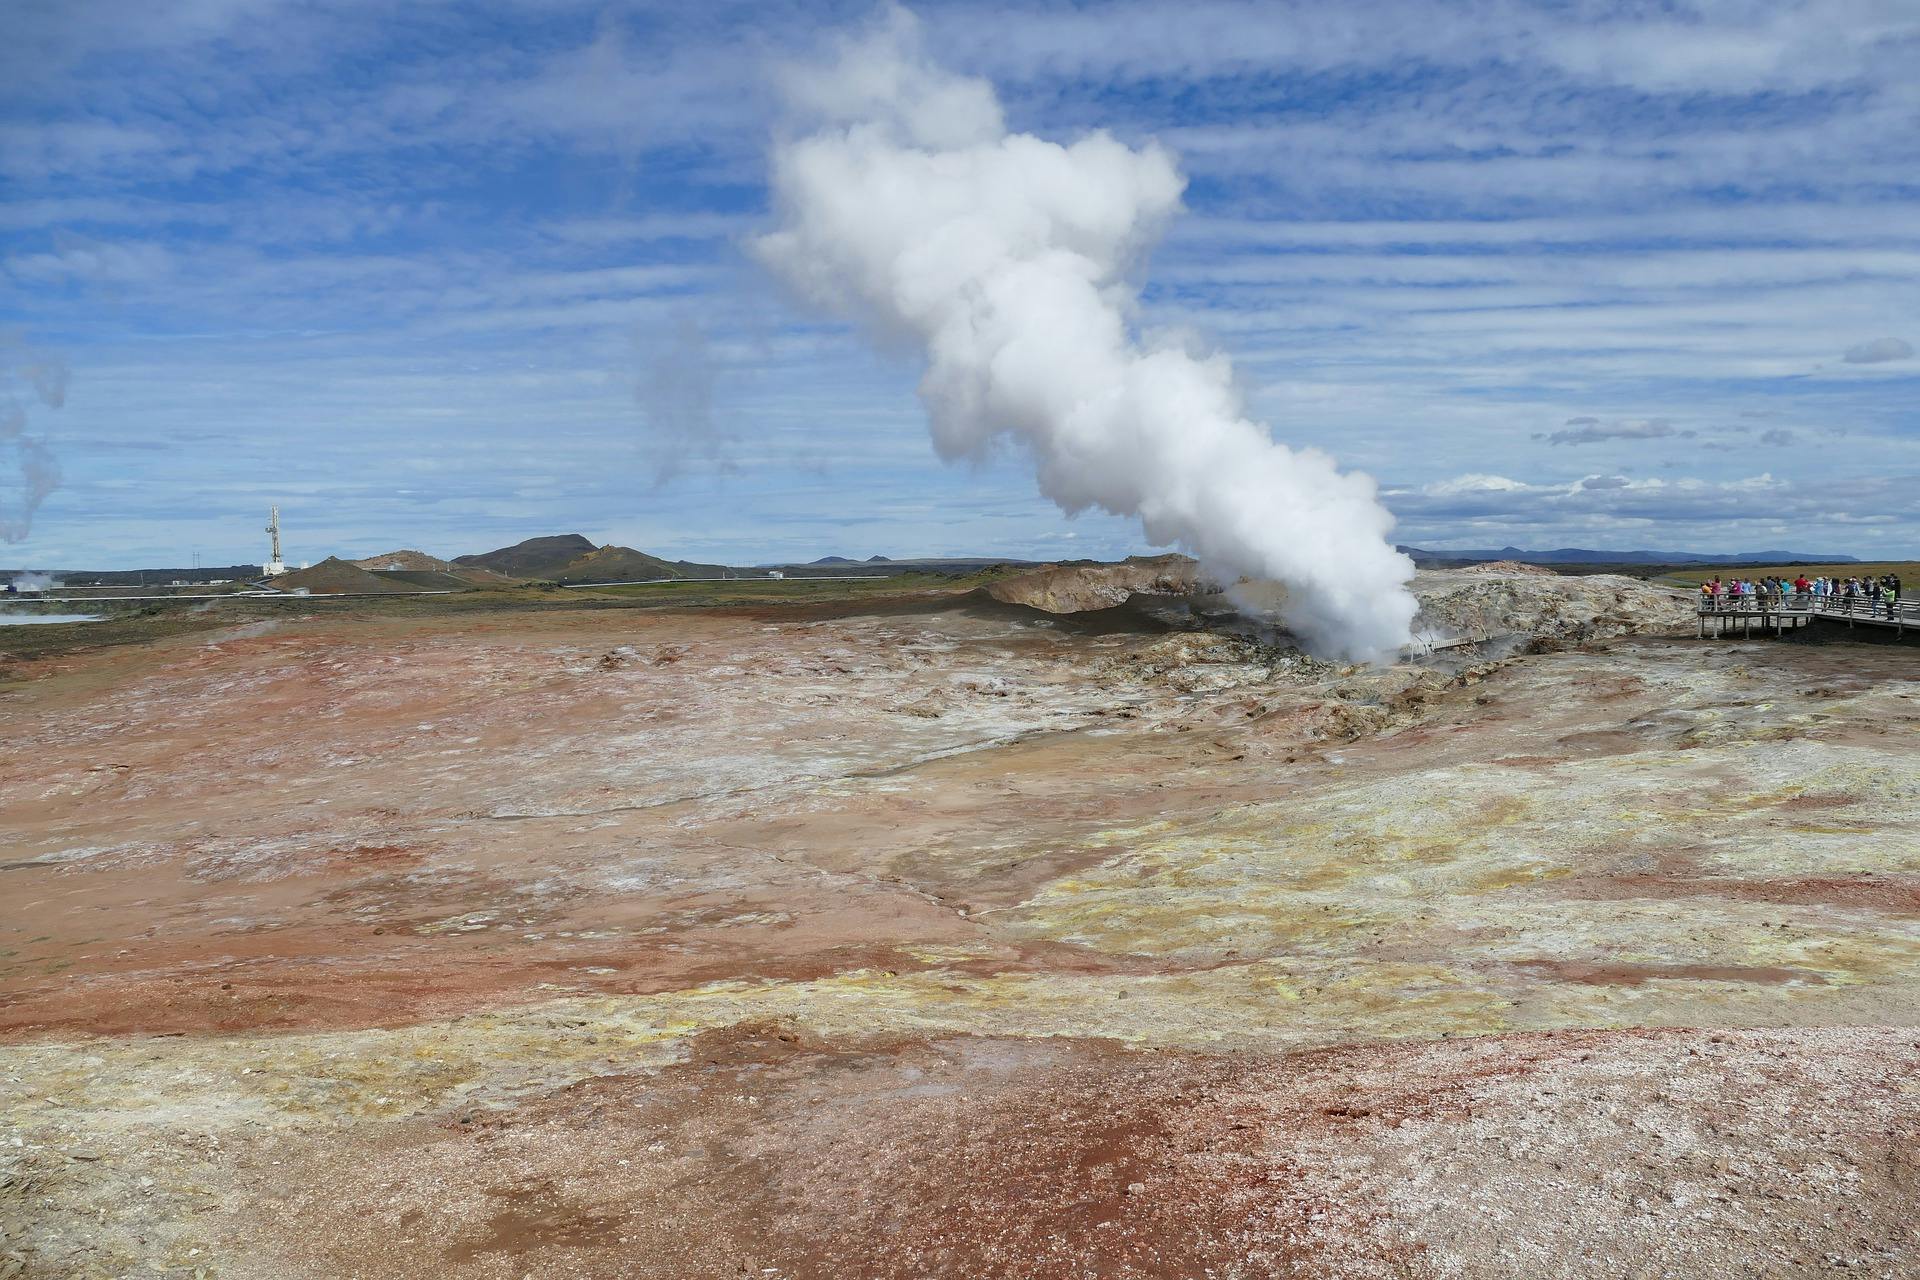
(1079, 588)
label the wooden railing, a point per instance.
(1856, 607)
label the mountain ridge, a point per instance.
(1584, 555)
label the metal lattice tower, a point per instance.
(275, 565)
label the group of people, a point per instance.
(1865, 594)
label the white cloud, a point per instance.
(1878, 351)
(1474, 484)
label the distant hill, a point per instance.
(888, 566)
(1582, 555)
(139, 577)
(412, 561)
(534, 558)
(569, 557)
(334, 576)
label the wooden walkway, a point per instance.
(1746, 615)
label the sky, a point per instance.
(450, 275)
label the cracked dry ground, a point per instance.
(945, 942)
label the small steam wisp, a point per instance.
(36, 473)
(907, 203)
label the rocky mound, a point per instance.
(334, 576)
(1545, 609)
(1509, 566)
(1526, 604)
(411, 561)
(1086, 586)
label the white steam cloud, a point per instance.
(907, 203)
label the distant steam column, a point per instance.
(275, 566)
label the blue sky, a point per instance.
(451, 275)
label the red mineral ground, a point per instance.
(902, 934)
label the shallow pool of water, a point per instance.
(29, 619)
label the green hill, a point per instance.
(534, 558)
(569, 557)
(618, 564)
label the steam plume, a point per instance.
(676, 393)
(36, 472)
(908, 204)
(38, 476)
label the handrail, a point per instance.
(1794, 602)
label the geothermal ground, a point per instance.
(951, 937)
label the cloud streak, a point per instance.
(1593, 431)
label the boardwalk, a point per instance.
(1747, 614)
